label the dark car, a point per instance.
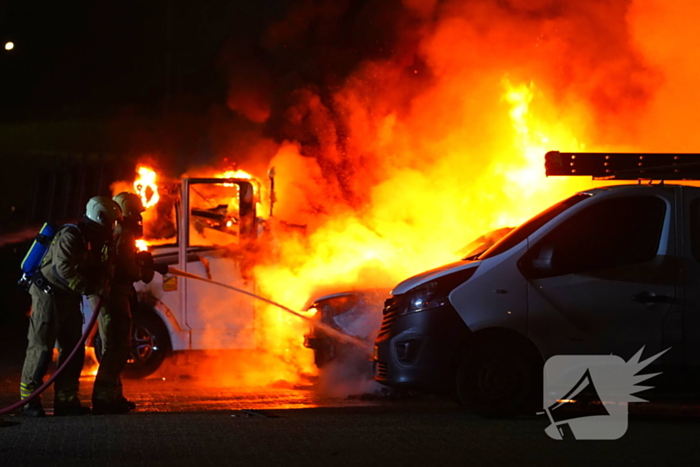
(357, 313)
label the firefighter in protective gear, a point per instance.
(77, 263)
(115, 319)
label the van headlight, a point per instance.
(424, 297)
(434, 294)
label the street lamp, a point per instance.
(9, 45)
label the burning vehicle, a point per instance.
(606, 271)
(355, 313)
(211, 227)
(358, 313)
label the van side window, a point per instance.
(520, 233)
(612, 233)
(695, 228)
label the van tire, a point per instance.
(497, 379)
(150, 344)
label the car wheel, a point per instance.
(149, 346)
(497, 379)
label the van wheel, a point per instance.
(497, 380)
(150, 344)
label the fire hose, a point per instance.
(81, 342)
(324, 327)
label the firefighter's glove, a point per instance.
(101, 291)
(160, 268)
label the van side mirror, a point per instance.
(543, 261)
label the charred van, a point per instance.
(210, 240)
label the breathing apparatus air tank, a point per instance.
(32, 260)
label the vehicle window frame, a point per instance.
(694, 224)
(525, 264)
(526, 229)
(246, 220)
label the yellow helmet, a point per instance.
(130, 204)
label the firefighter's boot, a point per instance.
(124, 401)
(33, 409)
(103, 407)
(108, 399)
(68, 404)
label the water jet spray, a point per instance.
(324, 327)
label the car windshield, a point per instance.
(528, 228)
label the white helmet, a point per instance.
(130, 204)
(103, 211)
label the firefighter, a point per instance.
(115, 319)
(77, 263)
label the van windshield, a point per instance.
(528, 228)
(483, 243)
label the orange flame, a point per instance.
(235, 174)
(141, 245)
(146, 187)
(90, 364)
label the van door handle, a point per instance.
(649, 298)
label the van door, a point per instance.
(604, 280)
(217, 233)
(691, 284)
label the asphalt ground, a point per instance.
(181, 420)
(394, 434)
(184, 420)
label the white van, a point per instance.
(606, 271)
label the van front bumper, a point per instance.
(419, 350)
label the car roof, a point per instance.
(637, 187)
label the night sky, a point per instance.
(79, 59)
(91, 59)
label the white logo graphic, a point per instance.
(602, 385)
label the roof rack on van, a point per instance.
(624, 166)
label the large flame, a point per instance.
(417, 217)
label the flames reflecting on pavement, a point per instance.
(183, 394)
